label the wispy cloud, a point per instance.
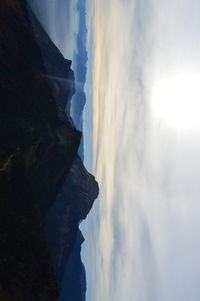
(142, 236)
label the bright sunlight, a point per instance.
(176, 101)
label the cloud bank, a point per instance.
(142, 238)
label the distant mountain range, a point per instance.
(44, 188)
(80, 69)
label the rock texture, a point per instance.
(72, 205)
(37, 149)
(45, 189)
(74, 281)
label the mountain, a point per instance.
(72, 205)
(74, 281)
(80, 189)
(38, 155)
(59, 73)
(80, 68)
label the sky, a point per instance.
(60, 21)
(142, 235)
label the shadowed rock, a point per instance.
(37, 149)
(72, 205)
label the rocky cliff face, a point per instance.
(74, 281)
(38, 147)
(72, 205)
(80, 189)
(59, 73)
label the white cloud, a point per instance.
(145, 244)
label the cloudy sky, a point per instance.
(142, 236)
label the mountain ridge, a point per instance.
(38, 146)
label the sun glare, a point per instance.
(175, 101)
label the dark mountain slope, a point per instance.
(45, 189)
(37, 148)
(74, 281)
(72, 205)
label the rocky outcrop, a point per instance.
(74, 281)
(80, 188)
(59, 73)
(72, 205)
